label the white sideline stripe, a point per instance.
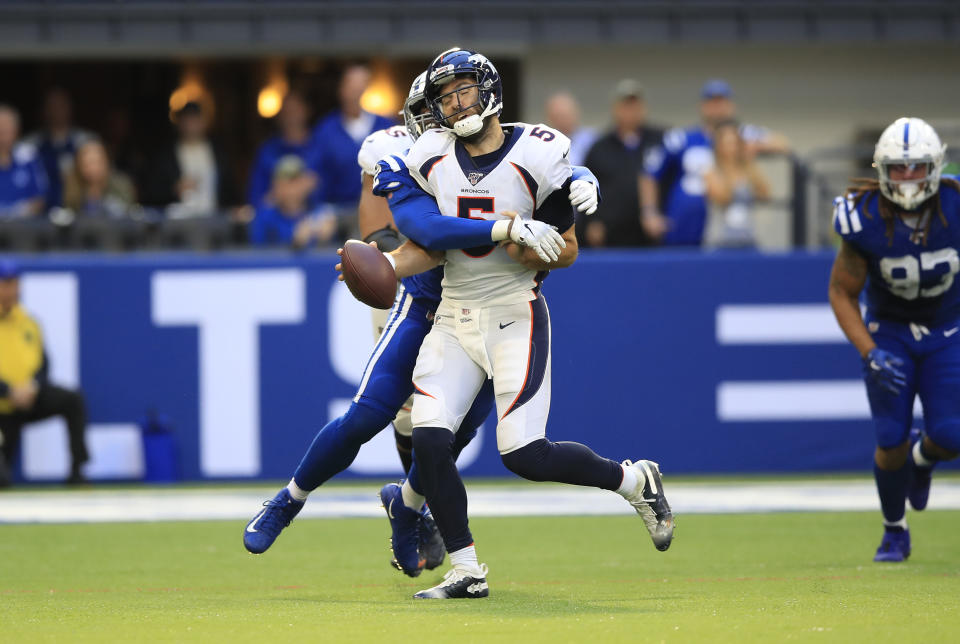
(149, 504)
(794, 400)
(777, 324)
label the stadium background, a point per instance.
(655, 351)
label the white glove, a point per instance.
(583, 196)
(542, 238)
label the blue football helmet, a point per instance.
(455, 63)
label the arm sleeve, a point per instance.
(418, 217)
(556, 209)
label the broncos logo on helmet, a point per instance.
(462, 63)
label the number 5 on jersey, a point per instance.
(465, 207)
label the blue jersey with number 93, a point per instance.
(910, 279)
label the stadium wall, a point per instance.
(722, 362)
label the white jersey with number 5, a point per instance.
(530, 165)
(391, 140)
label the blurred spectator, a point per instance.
(293, 123)
(94, 188)
(617, 160)
(680, 165)
(26, 395)
(286, 219)
(57, 142)
(563, 114)
(339, 136)
(734, 184)
(23, 182)
(190, 176)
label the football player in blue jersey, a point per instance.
(900, 238)
(385, 386)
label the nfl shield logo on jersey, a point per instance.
(474, 178)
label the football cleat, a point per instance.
(431, 542)
(651, 504)
(265, 527)
(919, 489)
(457, 584)
(405, 528)
(895, 546)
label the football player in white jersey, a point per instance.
(492, 322)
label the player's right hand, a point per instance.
(882, 368)
(541, 237)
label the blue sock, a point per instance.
(892, 486)
(336, 445)
(433, 454)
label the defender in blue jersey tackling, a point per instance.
(900, 238)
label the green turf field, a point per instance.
(802, 577)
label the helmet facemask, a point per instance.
(908, 183)
(472, 124)
(909, 160)
(416, 112)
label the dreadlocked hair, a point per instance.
(862, 188)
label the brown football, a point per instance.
(368, 274)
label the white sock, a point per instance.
(296, 492)
(411, 499)
(630, 481)
(902, 523)
(465, 560)
(918, 456)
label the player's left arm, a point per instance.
(847, 279)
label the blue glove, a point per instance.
(882, 366)
(391, 173)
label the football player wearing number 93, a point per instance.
(900, 235)
(492, 322)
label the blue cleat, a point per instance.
(263, 529)
(405, 526)
(895, 546)
(431, 543)
(919, 490)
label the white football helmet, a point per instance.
(907, 145)
(417, 123)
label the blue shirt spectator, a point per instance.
(287, 219)
(293, 123)
(339, 136)
(57, 143)
(680, 166)
(23, 183)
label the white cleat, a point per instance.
(650, 502)
(458, 584)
